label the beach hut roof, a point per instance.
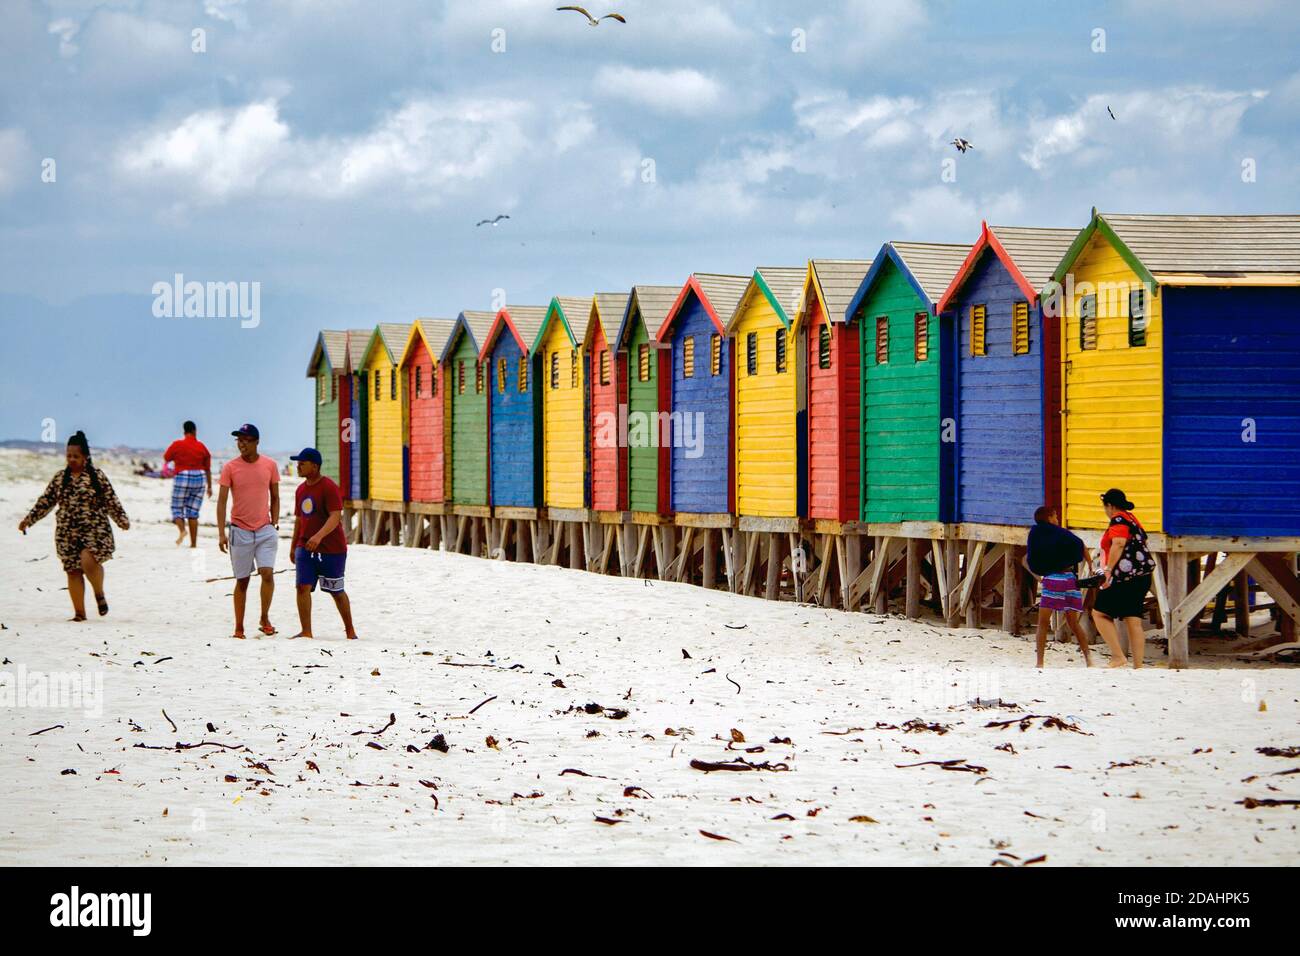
(334, 346)
(717, 293)
(391, 336)
(1028, 253)
(1198, 250)
(927, 266)
(608, 309)
(833, 282)
(471, 323)
(574, 314)
(435, 334)
(780, 285)
(653, 301)
(357, 340)
(522, 321)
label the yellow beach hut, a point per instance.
(385, 412)
(559, 349)
(769, 416)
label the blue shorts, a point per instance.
(187, 494)
(325, 568)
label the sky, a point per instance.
(338, 154)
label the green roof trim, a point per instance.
(1098, 224)
(771, 299)
(554, 308)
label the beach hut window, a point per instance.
(419, 383)
(523, 374)
(573, 368)
(1087, 322)
(688, 357)
(320, 390)
(378, 385)
(824, 346)
(334, 388)
(501, 376)
(555, 370)
(643, 362)
(604, 366)
(1137, 318)
(1020, 328)
(478, 378)
(715, 354)
(780, 350)
(751, 353)
(921, 336)
(392, 384)
(460, 377)
(433, 380)
(882, 340)
(978, 345)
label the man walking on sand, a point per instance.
(193, 477)
(251, 480)
(319, 549)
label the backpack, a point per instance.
(1135, 561)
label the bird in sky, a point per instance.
(962, 144)
(490, 222)
(593, 21)
(1112, 113)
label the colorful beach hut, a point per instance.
(832, 387)
(769, 421)
(700, 394)
(1008, 367)
(906, 395)
(385, 419)
(514, 421)
(607, 396)
(465, 422)
(327, 366)
(426, 403)
(1182, 372)
(648, 397)
(352, 431)
(559, 347)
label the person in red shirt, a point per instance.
(320, 549)
(193, 466)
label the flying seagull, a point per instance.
(962, 144)
(1111, 112)
(490, 222)
(592, 20)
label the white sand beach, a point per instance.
(281, 751)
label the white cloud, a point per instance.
(231, 11)
(1174, 119)
(684, 91)
(936, 211)
(66, 29)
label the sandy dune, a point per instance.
(1152, 774)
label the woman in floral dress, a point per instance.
(82, 536)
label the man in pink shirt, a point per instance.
(252, 482)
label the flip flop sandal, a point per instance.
(102, 603)
(238, 636)
(268, 630)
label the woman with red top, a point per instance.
(1123, 592)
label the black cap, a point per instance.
(1117, 498)
(247, 431)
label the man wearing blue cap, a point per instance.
(319, 549)
(252, 483)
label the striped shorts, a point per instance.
(187, 494)
(1060, 592)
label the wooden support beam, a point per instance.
(1189, 609)
(680, 567)
(968, 588)
(772, 587)
(1175, 592)
(912, 599)
(709, 561)
(940, 575)
(1241, 604)
(476, 537)
(1274, 574)
(729, 556)
(952, 575)
(851, 548)
(1011, 592)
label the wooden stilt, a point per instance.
(912, 597)
(1011, 591)
(771, 589)
(708, 571)
(1175, 595)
